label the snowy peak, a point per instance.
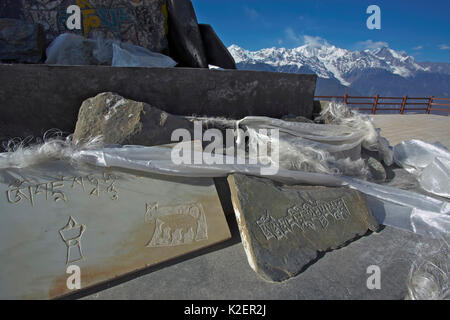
(329, 61)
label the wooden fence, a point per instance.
(400, 104)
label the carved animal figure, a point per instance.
(186, 226)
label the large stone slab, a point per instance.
(216, 52)
(143, 22)
(106, 222)
(21, 42)
(35, 98)
(284, 229)
(185, 40)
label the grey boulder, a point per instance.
(123, 121)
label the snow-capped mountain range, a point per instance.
(383, 70)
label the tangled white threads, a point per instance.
(312, 147)
(340, 114)
(53, 147)
(333, 148)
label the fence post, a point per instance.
(345, 98)
(375, 103)
(402, 109)
(429, 104)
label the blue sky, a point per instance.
(421, 28)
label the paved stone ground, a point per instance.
(222, 271)
(429, 128)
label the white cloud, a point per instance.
(292, 36)
(315, 41)
(371, 45)
(444, 47)
(304, 39)
(418, 48)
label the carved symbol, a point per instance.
(175, 226)
(71, 234)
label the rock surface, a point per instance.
(21, 42)
(142, 22)
(123, 121)
(216, 52)
(284, 229)
(376, 169)
(185, 40)
(105, 221)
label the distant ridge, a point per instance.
(340, 71)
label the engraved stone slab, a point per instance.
(107, 222)
(284, 228)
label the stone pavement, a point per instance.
(222, 272)
(429, 128)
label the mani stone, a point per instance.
(285, 229)
(21, 42)
(143, 22)
(123, 121)
(185, 40)
(106, 222)
(216, 52)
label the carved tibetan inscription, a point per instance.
(283, 228)
(107, 223)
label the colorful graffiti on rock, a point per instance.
(98, 18)
(143, 22)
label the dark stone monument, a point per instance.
(185, 40)
(11, 9)
(36, 98)
(216, 52)
(21, 42)
(284, 229)
(143, 22)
